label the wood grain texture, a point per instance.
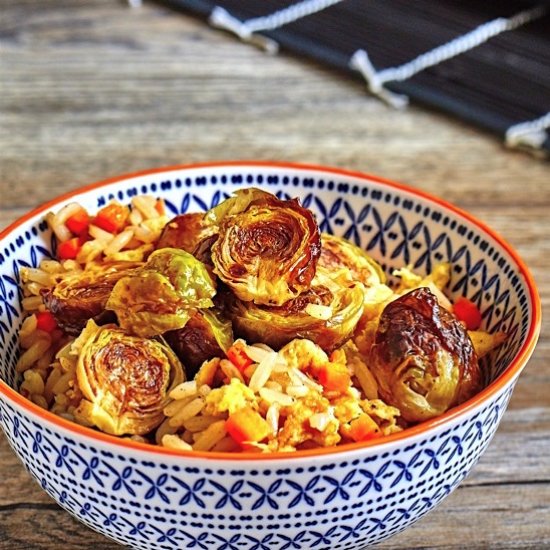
(92, 89)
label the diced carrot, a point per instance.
(159, 207)
(467, 312)
(246, 425)
(45, 321)
(363, 428)
(333, 377)
(112, 218)
(68, 250)
(78, 223)
(238, 357)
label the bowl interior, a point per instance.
(396, 225)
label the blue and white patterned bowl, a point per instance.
(347, 497)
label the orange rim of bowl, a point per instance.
(507, 377)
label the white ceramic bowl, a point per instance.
(340, 498)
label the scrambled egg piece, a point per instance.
(384, 415)
(230, 398)
(297, 429)
(302, 354)
(346, 409)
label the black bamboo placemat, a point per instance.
(498, 77)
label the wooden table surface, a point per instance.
(92, 89)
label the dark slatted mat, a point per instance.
(500, 83)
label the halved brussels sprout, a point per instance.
(338, 253)
(78, 297)
(125, 380)
(327, 314)
(205, 336)
(162, 295)
(185, 232)
(239, 202)
(423, 358)
(266, 253)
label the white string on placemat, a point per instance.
(376, 80)
(246, 30)
(531, 133)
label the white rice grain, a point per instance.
(212, 435)
(272, 417)
(146, 205)
(28, 326)
(31, 303)
(32, 382)
(199, 423)
(34, 288)
(36, 275)
(191, 409)
(144, 233)
(319, 421)
(66, 212)
(257, 354)
(175, 406)
(262, 373)
(272, 396)
(60, 230)
(51, 266)
(136, 217)
(174, 442)
(164, 429)
(204, 390)
(33, 354)
(91, 250)
(299, 378)
(119, 242)
(185, 389)
(71, 265)
(297, 391)
(100, 234)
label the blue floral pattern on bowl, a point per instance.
(342, 500)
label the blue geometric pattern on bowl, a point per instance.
(145, 504)
(339, 501)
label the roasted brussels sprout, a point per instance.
(267, 253)
(185, 232)
(327, 314)
(163, 294)
(206, 335)
(236, 204)
(125, 380)
(82, 296)
(339, 253)
(422, 357)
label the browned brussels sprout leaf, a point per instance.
(189, 277)
(205, 336)
(163, 295)
(125, 380)
(338, 253)
(422, 358)
(236, 204)
(78, 297)
(268, 252)
(185, 232)
(147, 304)
(327, 314)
